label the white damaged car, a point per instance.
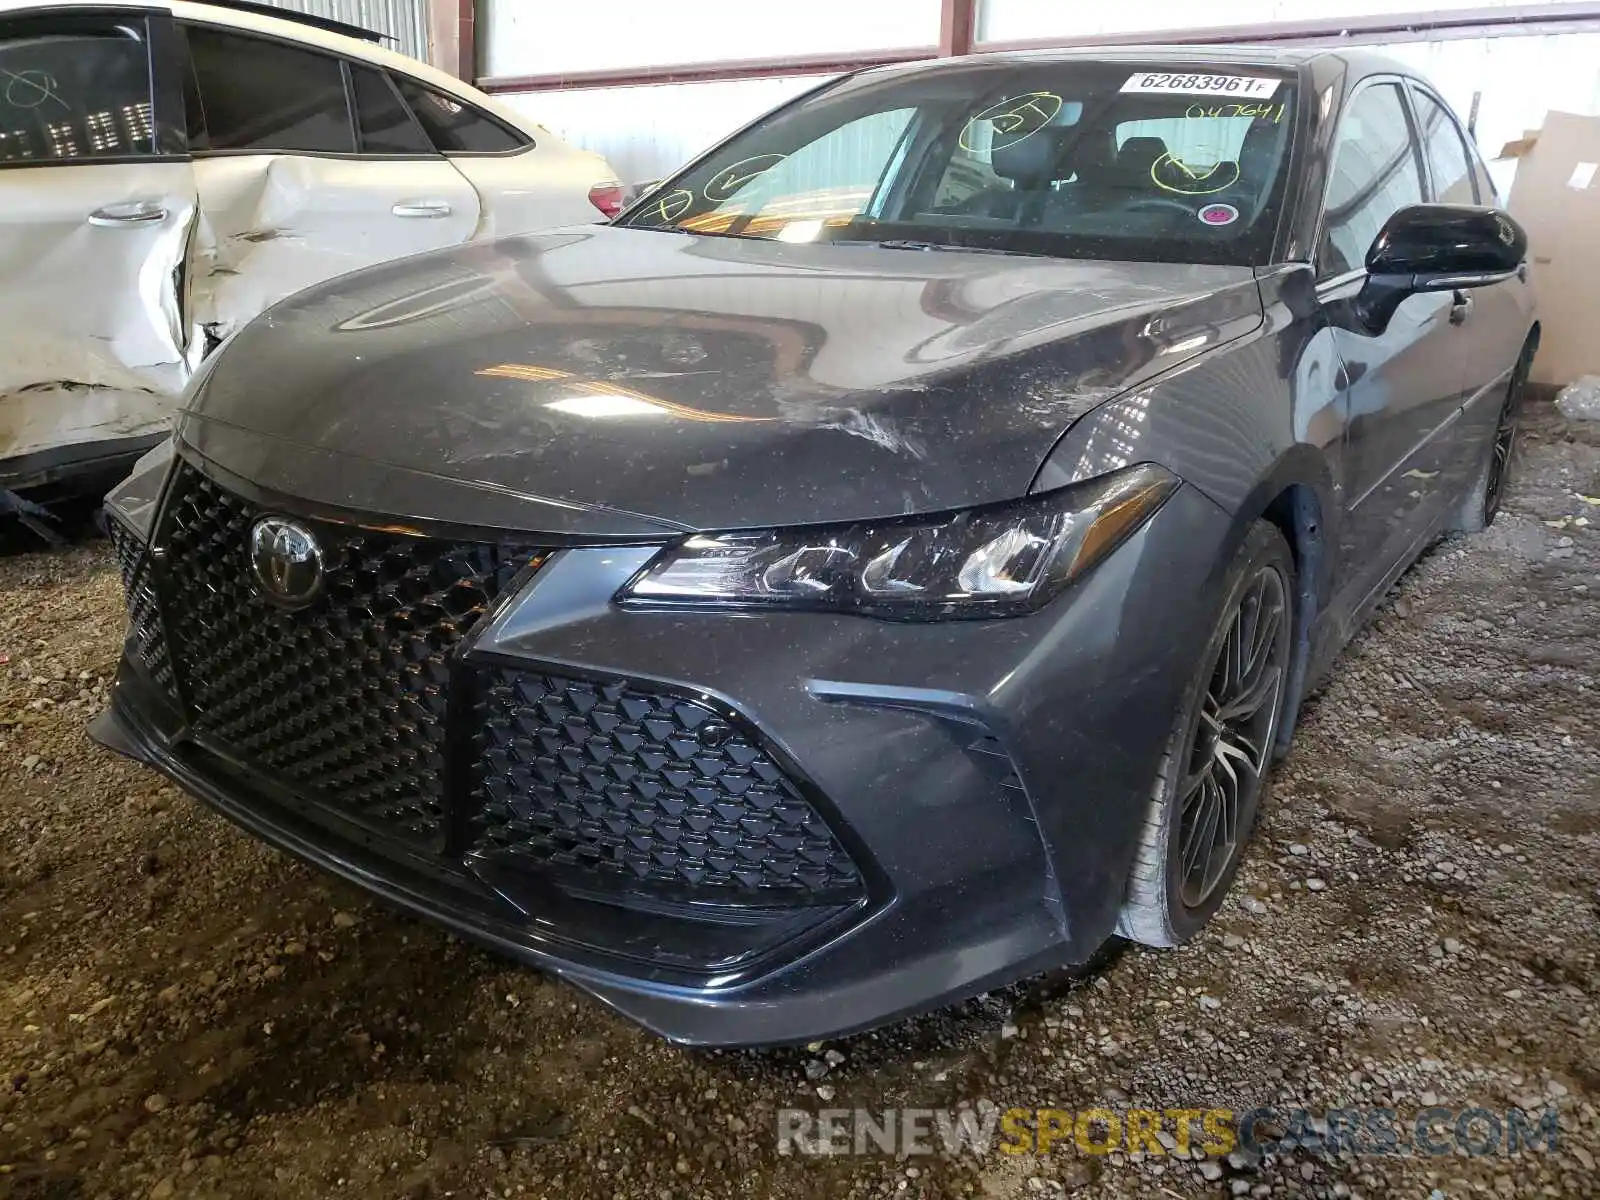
(168, 170)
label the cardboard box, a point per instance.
(1556, 196)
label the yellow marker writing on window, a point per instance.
(1193, 181)
(1012, 120)
(725, 183)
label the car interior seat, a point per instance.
(1258, 156)
(1033, 165)
(1136, 162)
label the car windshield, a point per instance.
(1076, 159)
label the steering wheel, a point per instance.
(1159, 202)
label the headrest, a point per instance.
(1035, 160)
(1096, 158)
(1137, 156)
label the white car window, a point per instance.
(457, 127)
(74, 89)
(265, 97)
(387, 126)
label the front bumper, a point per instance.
(988, 777)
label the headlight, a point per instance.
(133, 501)
(984, 562)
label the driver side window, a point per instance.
(1375, 173)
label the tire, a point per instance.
(1172, 894)
(1481, 505)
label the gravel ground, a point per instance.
(186, 1013)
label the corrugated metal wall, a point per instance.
(522, 37)
(405, 21)
(644, 132)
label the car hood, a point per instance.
(611, 382)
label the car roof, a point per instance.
(309, 35)
(1358, 60)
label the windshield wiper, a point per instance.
(719, 233)
(913, 244)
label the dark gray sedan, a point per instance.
(880, 565)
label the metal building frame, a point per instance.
(958, 35)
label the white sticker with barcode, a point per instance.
(1190, 84)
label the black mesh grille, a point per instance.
(640, 790)
(612, 787)
(344, 701)
(145, 634)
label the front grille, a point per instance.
(145, 635)
(612, 789)
(633, 788)
(344, 702)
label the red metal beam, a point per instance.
(957, 27)
(706, 72)
(467, 43)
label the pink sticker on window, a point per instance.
(1219, 214)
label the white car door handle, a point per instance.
(134, 212)
(422, 208)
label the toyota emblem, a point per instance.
(286, 561)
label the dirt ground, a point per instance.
(184, 1012)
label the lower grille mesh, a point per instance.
(635, 788)
(346, 700)
(145, 634)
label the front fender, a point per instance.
(1241, 424)
(1257, 426)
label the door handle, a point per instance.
(133, 212)
(421, 208)
(1460, 308)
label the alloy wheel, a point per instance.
(1505, 440)
(1232, 743)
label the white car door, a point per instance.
(96, 202)
(308, 165)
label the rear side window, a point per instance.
(1374, 174)
(1447, 154)
(265, 96)
(1487, 193)
(74, 89)
(456, 127)
(386, 123)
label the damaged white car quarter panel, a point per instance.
(543, 187)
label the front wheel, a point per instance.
(1211, 778)
(1482, 505)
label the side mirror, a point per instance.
(1437, 248)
